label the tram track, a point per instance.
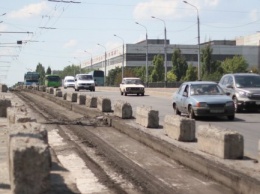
(112, 156)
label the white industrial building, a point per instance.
(135, 54)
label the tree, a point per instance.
(191, 73)
(179, 65)
(112, 76)
(158, 70)
(41, 70)
(48, 71)
(207, 62)
(70, 70)
(171, 77)
(237, 64)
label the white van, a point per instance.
(84, 82)
(69, 81)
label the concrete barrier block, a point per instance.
(123, 110)
(220, 142)
(58, 94)
(65, 96)
(51, 90)
(179, 128)
(42, 88)
(91, 101)
(104, 104)
(4, 104)
(72, 97)
(81, 99)
(147, 117)
(3, 88)
(55, 90)
(259, 152)
(29, 165)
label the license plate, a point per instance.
(217, 111)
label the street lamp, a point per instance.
(105, 62)
(79, 64)
(165, 52)
(91, 62)
(123, 55)
(198, 22)
(146, 58)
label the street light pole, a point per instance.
(123, 55)
(198, 22)
(165, 52)
(91, 62)
(146, 57)
(105, 63)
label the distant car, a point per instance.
(131, 85)
(68, 82)
(84, 82)
(202, 98)
(244, 89)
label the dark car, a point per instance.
(244, 89)
(202, 98)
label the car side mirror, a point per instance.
(228, 93)
(75, 79)
(185, 94)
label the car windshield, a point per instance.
(85, 77)
(133, 81)
(205, 89)
(247, 81)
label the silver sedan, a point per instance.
(202, 98)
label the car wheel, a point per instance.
(125, 94)
(137, 94)
(231, 117)
(237, 107)
(191, 113)
(142, 94)
(121, 93)
(176, 110)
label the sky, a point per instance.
(59, 33)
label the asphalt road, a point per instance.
(247, 124)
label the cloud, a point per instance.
(29, 11)
(168, 8)
(253, 15)
(70, 43)
(159, 8)
(211, 2)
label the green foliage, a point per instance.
(41, 70)
(207, 66)
(113, 74)
(48, 71)
(179, 65)
(237, 64)
(70, 70)
(171, 77)
(191, 73)
(157, 74)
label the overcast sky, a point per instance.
(56, 34)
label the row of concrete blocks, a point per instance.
(220, 142)
(29, 156)
(3, 88)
